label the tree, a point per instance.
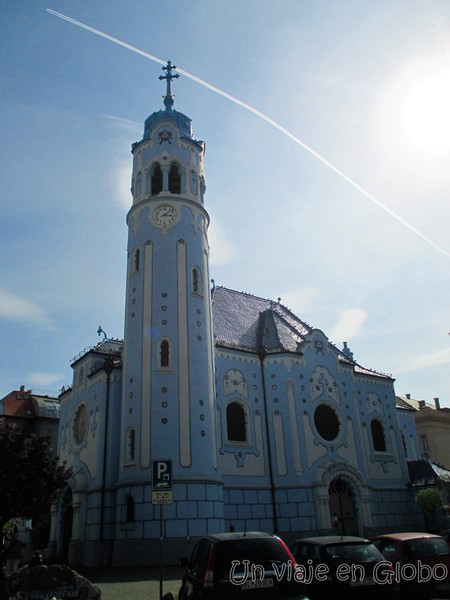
(30, 474)
(429, 500)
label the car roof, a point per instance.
(325, 540)
(239, 535)
(406, 535)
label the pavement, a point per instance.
(141, 583)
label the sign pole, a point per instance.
(161, 551)
(162, 493)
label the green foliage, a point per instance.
(30, 475)
(429, 499)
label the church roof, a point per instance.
(245, 322)
(253, 324)
(109, 346)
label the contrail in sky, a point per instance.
(262, 116)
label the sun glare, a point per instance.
(426, 113)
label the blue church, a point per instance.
(219, 410)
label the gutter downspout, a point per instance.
(262, 353)
(108, 367)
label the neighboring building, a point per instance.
(433, 429)
(408, 432)
(39, 414)
(425, 473)
(266, 423)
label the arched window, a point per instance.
(174, 179)
(136, 260)
(130, 509)
(138, 184)
(236, 422)
(164, 354)
(157, 180)
(196, 281)
(131, 445)
(194, 184)
(405, 445)
(378, 439)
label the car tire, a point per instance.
(182, 595)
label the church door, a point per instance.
(67, 530)
(342, 508)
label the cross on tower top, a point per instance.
(168, 98)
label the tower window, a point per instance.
(196, 281)
(164, 354)
(378, 439)
(138, 184)
(157, 180)
(236, 422)
(194, 185)
(136, 260)
(174, 180)
(131, 445)
(130, 509)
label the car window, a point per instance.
(262, 552)
(387, 548)
(427, 547)
(199, 556)
(303, 551)
(350, 553)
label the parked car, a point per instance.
(339, 566)
(445, 533)
(248, 565)
(419, 559)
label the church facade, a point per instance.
(265, 424)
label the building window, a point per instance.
(174, 179)
(164, 354)
(196, 281)
(425, 446)
(378, 439)
(236, 423)
(136, 261)
(130, 509)
(131, 445)
(326, 422)
(157, 180)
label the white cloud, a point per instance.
(127, 125)
(302, 299)
(43, 379)
(120, 178)
(441, 357)
(16, 308)
(223, 251)
(349, 325)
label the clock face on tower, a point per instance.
(165, 215)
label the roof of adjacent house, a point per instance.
(425, 472)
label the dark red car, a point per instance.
(249, 565)
(421, 562)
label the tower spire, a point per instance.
(168, 98)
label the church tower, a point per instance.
(168, 370)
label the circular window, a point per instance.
(326, 422)
(80, 424)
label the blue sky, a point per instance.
(364, 84)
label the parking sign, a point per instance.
(162, 482)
